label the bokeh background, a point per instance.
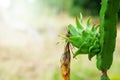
(30, 46)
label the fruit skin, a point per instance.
(84, 38)
(108, 30)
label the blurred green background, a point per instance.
(29, 31)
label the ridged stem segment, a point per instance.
(108, 30)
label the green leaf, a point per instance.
(84, 47)
(76, 41)
(93, 52)
(97, 27)
(84, 50)
(81, 17)
(96, 51)
(88, 22)
(85, 35)
(64, 37)
(94, 28)
(73, 30)
(78, 24)
(95, 47)
(91, 55)
(79, 51)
